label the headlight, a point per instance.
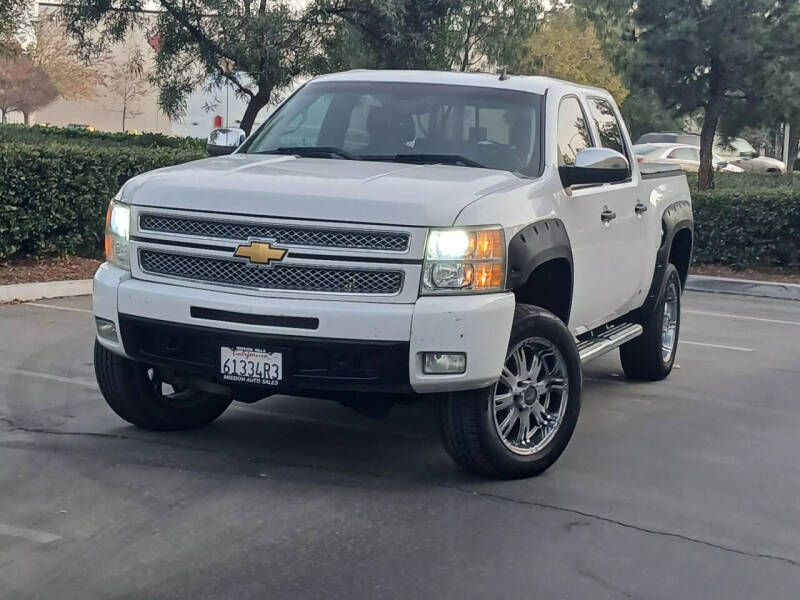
(118, 228)
(464, 260)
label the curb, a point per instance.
(743, 287)
(25, 292)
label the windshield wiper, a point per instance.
(444, 159)
(309, 152)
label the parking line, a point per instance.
(740, 349)
(743, 317)
(73, 380)
(32, 535)
(69, 308)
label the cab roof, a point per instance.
(524, 83)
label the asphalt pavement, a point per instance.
(687, 488)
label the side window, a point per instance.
(573, 131)
(682, 154)
(607, 125)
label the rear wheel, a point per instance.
(521, 425)
(652, 355)
(138, 394)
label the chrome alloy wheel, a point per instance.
(669, 322)
(530, 398)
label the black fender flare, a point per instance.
(534, 245)
(676, 217)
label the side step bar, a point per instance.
(596, 346)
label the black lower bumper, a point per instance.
(309, 363)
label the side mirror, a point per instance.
(224, 140)
(595, 166)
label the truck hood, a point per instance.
(325, 189)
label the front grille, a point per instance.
(280, 277)
(282, 234)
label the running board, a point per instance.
(608, 340)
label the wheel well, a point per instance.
(680, 253)
(549, 287)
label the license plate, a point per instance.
(250, 365)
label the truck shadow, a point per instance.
(321, 435)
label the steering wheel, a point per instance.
(497, 148)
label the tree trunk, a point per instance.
(26, 116)
(124, 116)
(3, 118)
(710, 121)
(794, 142)
(256, 103)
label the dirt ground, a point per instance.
(781, 274)
(60, 268)
(56, 268)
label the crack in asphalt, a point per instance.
(604, 519)
(12, 426)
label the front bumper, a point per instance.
(330, 345)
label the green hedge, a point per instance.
(39, 134)
(747, 220)
(53, 197)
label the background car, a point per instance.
(688, 157)
(736, 151)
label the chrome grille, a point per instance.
(280, 277)
(282, 234)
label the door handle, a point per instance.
(607, 215)
(640, 208)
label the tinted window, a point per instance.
(642, 149)
(684, 154)
(380, 120)
(607, 125)
(573, 132)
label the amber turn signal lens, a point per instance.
(488, 244)
(488, 275)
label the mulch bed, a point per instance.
(775, 274)
(60, 268)
(56, 268)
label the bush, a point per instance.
(39, 134)
(53, 197)
(747, 220)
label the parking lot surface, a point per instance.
(686, 488)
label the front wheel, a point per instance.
(137, 393)
(521, 425)
(651, 355)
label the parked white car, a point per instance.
(736, 151)
(685, 156)
(393, 236)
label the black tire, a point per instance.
(130, 391)
(642, 357)
(467, 419)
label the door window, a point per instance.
(608, 127)
(573, 131)
(683, 154)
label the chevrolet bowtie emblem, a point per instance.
(260, 252)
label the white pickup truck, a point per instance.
(395, 236)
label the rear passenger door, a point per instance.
(631, 225)
(623, 236)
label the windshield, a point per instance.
(407, 122)
(734, 147)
